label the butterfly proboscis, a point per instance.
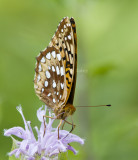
(56, 71)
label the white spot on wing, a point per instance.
(54, 54)
(64, 26)
(54, 100)
(48, 74)
(57, 69)
(65, 38)
(59, 57)
(68, 24)
(61, 30)
(49, 94)
(61, 70)
(43, 60)
(60, 96)
(42, 90)
(62, 85)
(71, 71)
(48, 56)
(53, 68)
(57, 93)
(39, 68)
(38, 78)
(69, 37)
(54, 84)
(49, 67)
(46, 83)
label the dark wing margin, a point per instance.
(71, 97)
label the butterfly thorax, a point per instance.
(63, 113)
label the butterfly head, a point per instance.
(63, 113)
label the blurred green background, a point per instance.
(107, 32)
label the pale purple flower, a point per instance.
(45, 145)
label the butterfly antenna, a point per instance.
(108, 105)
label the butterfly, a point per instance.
(56, 70)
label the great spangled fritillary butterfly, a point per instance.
(56, 68)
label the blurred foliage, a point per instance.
(107, 33)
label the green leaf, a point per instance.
(62, 156)
(12, 158)
(14, 146)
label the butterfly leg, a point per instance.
(49, 117)
(59, 127)
(44, 125)
(63, 125)
(45, 116)
(73, 125)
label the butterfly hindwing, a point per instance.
(49, 77)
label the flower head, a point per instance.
(46, 144)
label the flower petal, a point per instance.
(31, 158)
(72, 149)
(46, 144)
(72, 138)
(32, 149)
(17, 131)
(19, 109)
(24, 145)
(12, 152)
(41, 113)
(30, 133)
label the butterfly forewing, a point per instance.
(55, 68)
(65, 40)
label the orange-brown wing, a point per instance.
(56, 66)
(65, 40)
(49, 77)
